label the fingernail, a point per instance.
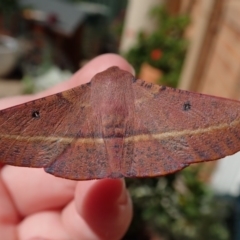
(123, 197)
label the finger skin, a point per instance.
(8, 211)
(9, 216)
(105, 207)
(36, 191)
(69, 206)
(100, 210)
(86, 73)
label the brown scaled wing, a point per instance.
(175, 128)
(54, 133)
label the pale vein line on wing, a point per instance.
(136, 138)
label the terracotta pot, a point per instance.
(150, 74)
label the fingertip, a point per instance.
(99, 64)
(104, 61)
(86, 73)
(106, 207)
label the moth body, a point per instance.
(112, 98)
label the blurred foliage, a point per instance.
(9, 6)
(164, 48)
(176, 207)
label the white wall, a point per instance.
(226, 177)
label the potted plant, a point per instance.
(163, 50)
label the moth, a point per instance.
(118, 126)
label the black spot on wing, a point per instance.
(36, 114)
(186, 106)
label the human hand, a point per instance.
(37, 205)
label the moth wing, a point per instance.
(174, 128)
(56, 133)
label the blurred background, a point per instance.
(188, 44)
